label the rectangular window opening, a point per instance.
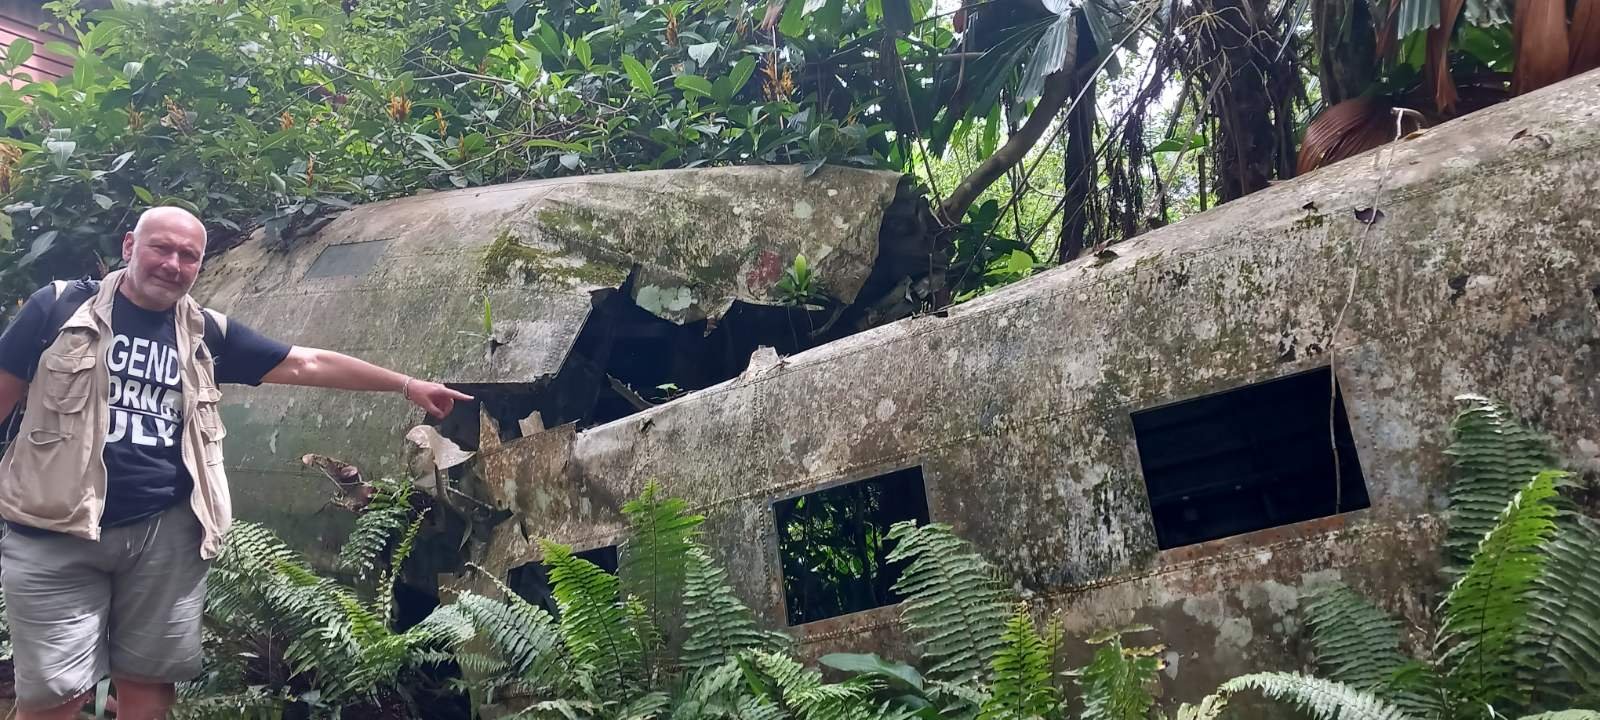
(532, 581)
(1248, 459)
(833, 544)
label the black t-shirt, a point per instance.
(143, 451)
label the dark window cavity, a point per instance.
(833, 544)
(1247, 459)
(532, 581)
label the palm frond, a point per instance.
(954, 607)
(1321, 699)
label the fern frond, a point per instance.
(1322, 699)
(1116, 682)
(1494, 457)
(717, 625)
(1563, 632)
(383, 604)
(1565, 715)
(954, 607)
(1021, 678)
(802, 690)
(594, 621)
(1488, 606)
(1356, 643)
(1210, 708)
(655, 556)
(376, 525)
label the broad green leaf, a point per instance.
(871, 664)
(131, 69)
(104, 202)
(693, 83)
(741, 72)
(145, 196)
(638, 75)
(120, 161)
(21, 49)
(581, 50)
(793, 23)
(41, 245)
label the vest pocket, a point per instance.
(209, 419)
(66, 382)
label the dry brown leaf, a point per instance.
(1345, 130)
(1539, 35)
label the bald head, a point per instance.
(170, 219)
(163, 255)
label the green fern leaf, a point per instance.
(1021, 675)
(386, 514)
(954, 607)
(1565, 715)
(718, 626)
(1322, 699)
(1494, 457)
(654, 557)
(1488, 607)
(1562, 637)
(1356, 643)
(594, 621)
(1117, 681)
(1210, 708)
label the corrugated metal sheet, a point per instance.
(22, 20)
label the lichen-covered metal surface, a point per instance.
(405, 284)
(1480, 274)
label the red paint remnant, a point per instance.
(765, 271)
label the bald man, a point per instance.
(113, 490)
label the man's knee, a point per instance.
(141, 700)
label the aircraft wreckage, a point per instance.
(1142, 436)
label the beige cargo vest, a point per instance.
(54, 474)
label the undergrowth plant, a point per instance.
(1518, 630)
(279, 633)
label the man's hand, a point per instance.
(328, 369)
(433, 398)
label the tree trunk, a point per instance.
(1081, 175)
(1347, 48)
(1058, 89)
(1245, 144)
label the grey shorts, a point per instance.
(128, 606)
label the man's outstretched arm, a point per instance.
(328, 369)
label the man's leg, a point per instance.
(157, 599)
(58, 605)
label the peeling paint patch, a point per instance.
(661, 300)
